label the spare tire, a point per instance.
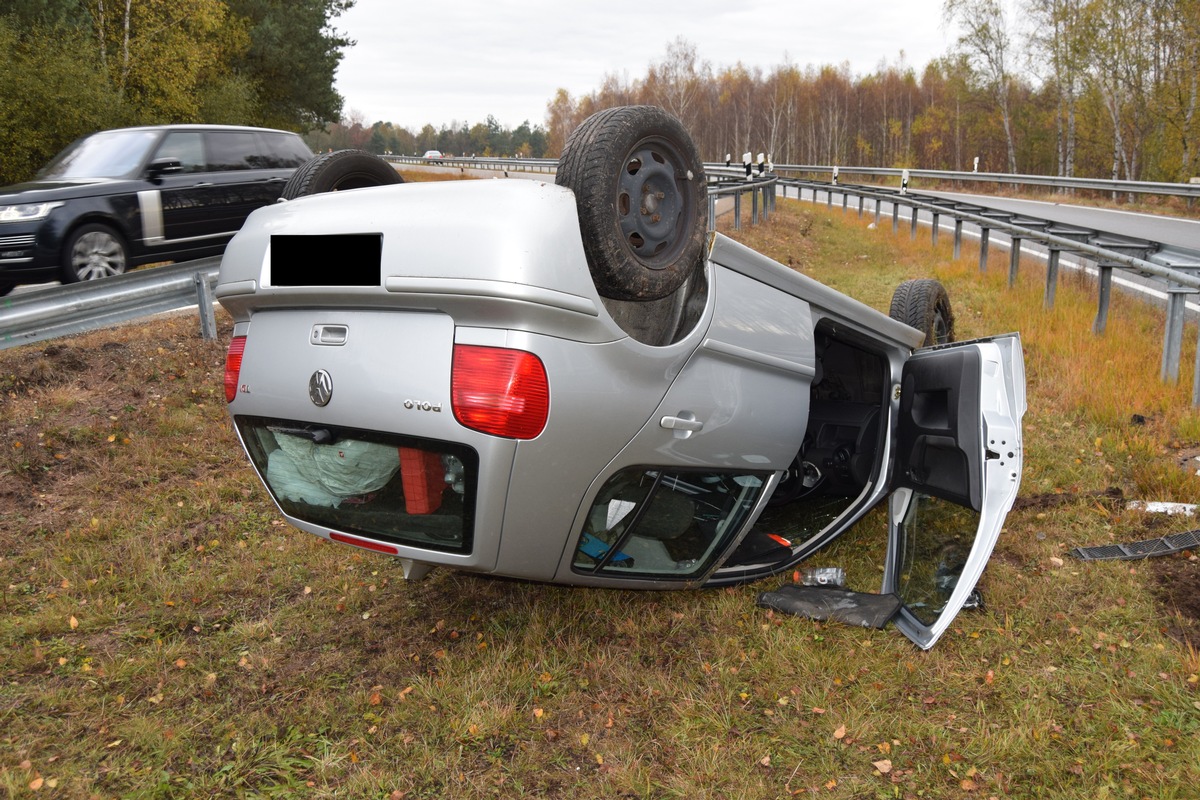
(642, 200)
(341, 169)
(924, 304)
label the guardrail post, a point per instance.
(712, 212)
(984, 235)
(861, 200)
(895, 216)
(737, 211)
(1051, 277)
(912, 231)
(1014, 259)
(1105, 299)
(936, 225)
(1196, 378)
(1173, 335)
(845, 200)
(877, 205)
(204, 299)
(754, 206)
(829, 199)
(957, 238)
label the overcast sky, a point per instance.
(461, 61)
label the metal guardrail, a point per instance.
(1189, 190)
(1179, 268)
(49, 313)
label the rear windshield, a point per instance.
(109, 154)
(397, 489)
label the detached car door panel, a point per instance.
(956, 474)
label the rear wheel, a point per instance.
(640, 191)
(924, 304)
(341, 169)
(93, 251)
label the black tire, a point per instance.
(5, 288)
(341, 169)
(924, 304)
(93, 251)
(642, 200)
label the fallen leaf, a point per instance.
(375, 699)
(765, 761)
(180, 663)
(36, 783)
(884, 765)
(74, 623)
(840, 733)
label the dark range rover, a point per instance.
(122, 198)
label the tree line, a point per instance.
(1095, 88)
(488, 138)
(77, 66)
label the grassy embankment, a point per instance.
(166, 635)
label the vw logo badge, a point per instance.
(320, 388)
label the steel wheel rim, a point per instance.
(652, 206)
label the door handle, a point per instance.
(681, 424)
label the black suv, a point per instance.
(121, 198)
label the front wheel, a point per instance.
(93, 251)
(924, 304)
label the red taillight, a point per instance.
(499, 391)
(233, 366)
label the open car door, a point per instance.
(955, 476)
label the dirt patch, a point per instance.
(1043, 502)
(1176, 586)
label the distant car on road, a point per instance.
(433, 156)
(118, 199)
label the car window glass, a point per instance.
(283, 151)
(649, 523)
(230, 150)
(187, 147)
(111, 154)
(936, 537)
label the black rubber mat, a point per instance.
(832, 603)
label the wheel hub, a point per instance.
(650, 206)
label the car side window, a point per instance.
(185, 146)
(647, 522)
(283, 151)
(230, 150)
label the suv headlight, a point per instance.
(27, 212)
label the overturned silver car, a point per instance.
(576, 383)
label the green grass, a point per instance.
(166, 635)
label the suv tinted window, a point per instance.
(232, 150)
(185, 146)
(283, 150)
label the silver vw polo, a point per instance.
(575, 383)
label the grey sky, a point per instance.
(460, 61)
